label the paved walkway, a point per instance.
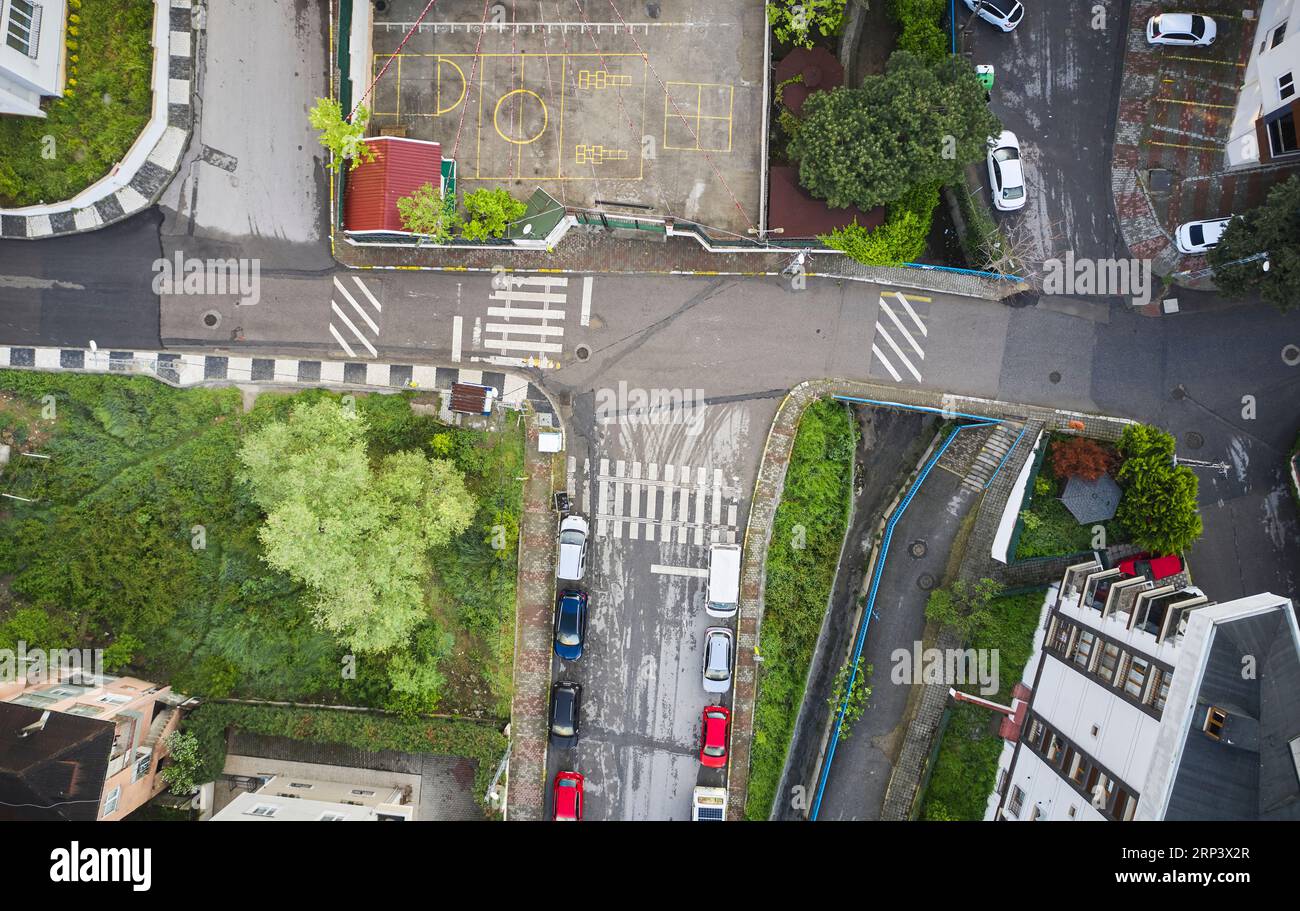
(526, 796)
(1175, 114)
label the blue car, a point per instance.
(570, 624)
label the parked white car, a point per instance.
(1201, 236)
(573, 549)
(718, 648)
(1181, 29)
(1005, 14)
(1006, 176)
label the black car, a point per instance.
(566, 711)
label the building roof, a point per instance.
(56, 772)
(1250, 772)
(1091, 501)
(400, 167)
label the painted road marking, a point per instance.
(586, 301)
(355, 331)
(338, 338)
(359, 311)
(902, 299)
(457, 330)
(898, 351)
(885, 361)
(691, 571)
(366, 292)
(698, 522)
(903, 329)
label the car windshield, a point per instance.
(1006, 153)
(1013, 192)
(569, 625)
(562, 729)
(1197, 235)
(1198, 27)
(715, 751)
(571, 537)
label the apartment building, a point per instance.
(1264, 119)
(257, 789)
(1151, 702)
(85, 750)
(31, 54)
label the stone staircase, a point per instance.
(987, 461)
(157, 727)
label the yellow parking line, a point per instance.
(1204, 60)
(911, 297)
(1178, 145)
(1195, 104)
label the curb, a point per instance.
(137, 181)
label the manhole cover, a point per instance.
(1054, 376)
(1160, 180)
(1193, 439)
(916, 549)
(1291, 355)
(1180, 392)
(925, 582)
(212, 319)
(582, 352)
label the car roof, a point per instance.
(1012, 175)
(1005, 7)
(1175, 22)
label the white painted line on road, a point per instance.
(901, 328)
(536, 297)
(523, 329)
(536, 347)
(651, 499)
(546, 281)
(366, 292)
(457, 330)
(884, 360)
(526, 312)
(477, 337)
(634, 504)
(570, 483)
(897, 350)
(700, 496)
(691, 571)
(347, 322)
(586, 301)
(912, 313)
(357, 307)
(684, 507)
(338, 338)
(666, 530)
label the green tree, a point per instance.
(902, 237)
(801, 22)
(346, 139)
(426, 211)
(1159, 507)
(490, 212)
(857, 699)
(921, 122)
(1273, 228)
(357, 537)
(964, 607)
(179, 773)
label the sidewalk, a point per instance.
(1175, 115)
(526, 796)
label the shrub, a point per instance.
(1159, 508)
(490, 213)
(902, 237)
(1080, 457)
(919, 27)
(428, 212)
(801, 22)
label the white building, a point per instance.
(1149, 702)
(31, 54)
(1264, 121)
(285, 791)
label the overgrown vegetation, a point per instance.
(105, 105)
(428, 212)
(919, 26)
(807, 533)
(966, 608)
(490, 212)
(856, 703)
(1048, 528)
(1272, 229)
(442, 736)
(345, 139)
(143, 539)
(900, 239)
(804, 22)
(965, 766)
(1159, 510)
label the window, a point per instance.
(1136, 677)
(1083, 648)
(1109, 661)
(110, 802)
(1017, 801)
(115, 699)
(1077, 768)
(333, 817)
(143, 763)
(1036, 734)
(1061, 641)
(1054, 749)
(1159, 689)
(1095, 730)
(263, 809)
(1215, 719)
(363, 792)
(1278, 36)
(24, 26)
(1033, 814)
(1072, 811)
(1282, 135)
(301, 784)
(1285, 86)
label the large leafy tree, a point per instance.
(1273, 228)
(920, 122)
(1159, 508)
(357, 536)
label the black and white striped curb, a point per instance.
(190, 369)
(139, 179)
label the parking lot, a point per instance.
(602, 103)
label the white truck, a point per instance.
(709, 805)
(724, 581)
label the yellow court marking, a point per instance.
(1196, 104)
(912, 297)
(1204, 60)
(439, 110)
(1179, 145)
(674, 114)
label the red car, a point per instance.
(568, 797)
(717, 721)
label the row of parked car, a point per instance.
(571, 612)
(1176, 29)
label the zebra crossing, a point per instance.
(525, 323)
(353, 316)
(901, 333)
(653, 502)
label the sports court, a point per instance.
(654, 106)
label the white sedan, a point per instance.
(1006, 177)
(1200, 236)
(1181, 29)
(1005, 14)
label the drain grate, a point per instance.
(925, 582)
(1193, 439)
(582, 352)
(212, 319)
(917, 549)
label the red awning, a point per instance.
(400, 167)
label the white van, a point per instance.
(724, 580)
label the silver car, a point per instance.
(718, 654)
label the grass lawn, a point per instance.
(109, 63)
(139, 472)
(965, 769)
(806, 536)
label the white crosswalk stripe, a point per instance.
(671, 504)
(357, 312)
(534, 329)
(896, 333)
